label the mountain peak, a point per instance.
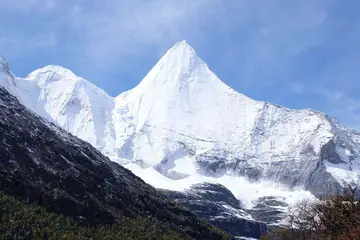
(53, 73)
(182, 45)
(182, 42)
(179, 64)
(181, 49)
(61, 79)
(55, 69)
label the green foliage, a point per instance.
(225, 235)
(20, 220)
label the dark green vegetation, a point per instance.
(20, 220)
(46, 166)
(337, 218)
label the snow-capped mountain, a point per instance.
(47, 166)
(182, 125)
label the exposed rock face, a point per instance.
(7, 79)
(218, 206)
(42, 163)
(269, 210)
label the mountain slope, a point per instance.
(44, 164)
(181, 99)
(182, 125)
(182, 120)
(70, 101)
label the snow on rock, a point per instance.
(73, 103)
(7, 79)
(244, 190)
(182, 125)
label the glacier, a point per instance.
(182, 126)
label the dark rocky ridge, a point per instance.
(43, 164)
(269, 210)
(218, 205)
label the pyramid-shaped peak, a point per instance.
(179, 64)
(179, 71)
(181, 44)
(181, 57)
(181, 47)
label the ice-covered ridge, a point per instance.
(72, 102)
(49, 73)
(65, 73)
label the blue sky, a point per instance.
(299, 53)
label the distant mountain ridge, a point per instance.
(182, 125)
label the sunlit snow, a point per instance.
(181, 115)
